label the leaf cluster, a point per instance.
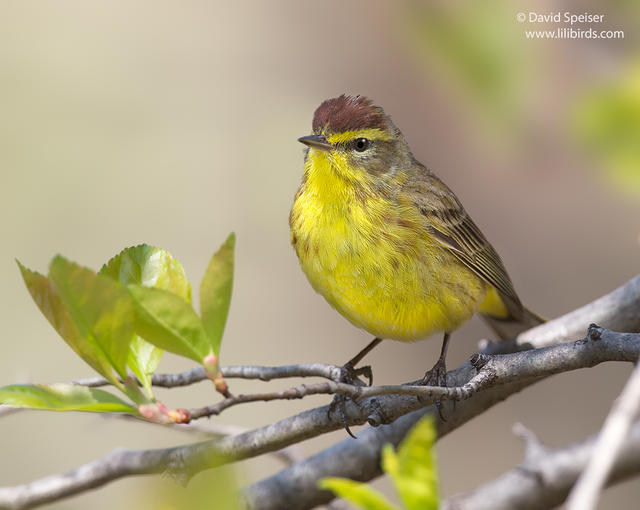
(412, 469)
(121, 319)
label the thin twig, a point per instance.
(330, 372)
(492, 371)
(263, 373)
(296, 392)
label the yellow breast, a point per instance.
(367, 252)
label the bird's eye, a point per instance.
(362, 144)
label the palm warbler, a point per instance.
(386, 242)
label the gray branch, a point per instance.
(197, 374)
(353, 459)
(359, 460)
(295, 487)
(117, 464)
(617, 311)
(545, 477)
(492, 371)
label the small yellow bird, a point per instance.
(386, 242)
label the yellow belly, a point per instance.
(374, 262)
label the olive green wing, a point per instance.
(453, 228)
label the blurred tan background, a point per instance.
(173, 123)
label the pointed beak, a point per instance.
(316, 141)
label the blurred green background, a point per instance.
(173, 123)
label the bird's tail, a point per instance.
(511, 326)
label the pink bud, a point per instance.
(210, 361)
(180, 416)
(221, 384)
(148, 411)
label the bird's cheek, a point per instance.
(316, 157)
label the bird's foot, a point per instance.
(437, 376)
(348, 375)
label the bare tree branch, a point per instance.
(289, 455)
(545, 477)
(353, 459)
(612, 437)
(604, 346)
(296, 487)
(617, 311)
(492, 371)
(263, 373)
(117, 464)
(269, 373)
(359, 460)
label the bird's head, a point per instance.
(356, 137)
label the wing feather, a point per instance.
(448, 222)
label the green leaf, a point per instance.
(357, 493)
(413, 468)
(63, 397)
(210, 489)
(169, 322)
(152, 267)
(215, 292)
(149, 266)
(50, 303)
(100, 308)
(143, 360)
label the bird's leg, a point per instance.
(437, 376)
(349, 375)
(366, 370)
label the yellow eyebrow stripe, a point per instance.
(371, 134)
